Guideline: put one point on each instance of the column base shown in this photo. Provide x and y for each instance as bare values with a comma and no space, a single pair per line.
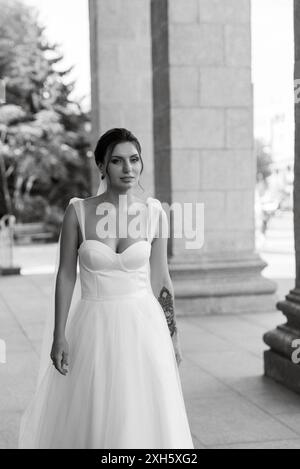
282,370
222,286
284,341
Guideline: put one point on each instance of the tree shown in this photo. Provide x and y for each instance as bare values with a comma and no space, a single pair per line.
44,135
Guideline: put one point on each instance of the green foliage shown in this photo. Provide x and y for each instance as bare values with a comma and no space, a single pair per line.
44,135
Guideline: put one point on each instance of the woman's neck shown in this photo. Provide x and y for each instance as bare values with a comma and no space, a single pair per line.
114,197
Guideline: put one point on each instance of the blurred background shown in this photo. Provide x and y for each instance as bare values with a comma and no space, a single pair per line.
45,120
273,107
47,80
45,123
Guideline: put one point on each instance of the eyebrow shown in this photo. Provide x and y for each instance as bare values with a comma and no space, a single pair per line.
118,156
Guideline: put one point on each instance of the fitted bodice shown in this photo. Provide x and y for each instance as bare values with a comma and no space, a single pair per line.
105,273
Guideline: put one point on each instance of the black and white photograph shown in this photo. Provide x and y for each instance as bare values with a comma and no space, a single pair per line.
149,226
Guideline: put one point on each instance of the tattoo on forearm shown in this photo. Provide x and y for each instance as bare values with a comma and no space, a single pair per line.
166,301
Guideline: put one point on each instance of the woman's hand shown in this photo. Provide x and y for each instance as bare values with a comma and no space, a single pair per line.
59,354
177,348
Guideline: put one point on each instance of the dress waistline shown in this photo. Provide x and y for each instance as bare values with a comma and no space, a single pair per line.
135,295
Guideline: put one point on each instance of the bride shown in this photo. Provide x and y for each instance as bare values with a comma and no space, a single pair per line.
112,381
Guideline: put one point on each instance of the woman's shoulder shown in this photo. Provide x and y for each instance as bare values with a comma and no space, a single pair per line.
85,200
147,201
74,199
154,201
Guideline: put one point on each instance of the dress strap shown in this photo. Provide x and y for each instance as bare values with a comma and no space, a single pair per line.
79,209
82,218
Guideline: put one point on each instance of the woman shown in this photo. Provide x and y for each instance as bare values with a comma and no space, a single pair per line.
114,382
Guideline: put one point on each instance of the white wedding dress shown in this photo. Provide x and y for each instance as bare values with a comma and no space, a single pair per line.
123,387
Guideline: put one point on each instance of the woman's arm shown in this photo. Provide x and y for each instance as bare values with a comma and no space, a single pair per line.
65,282
161,281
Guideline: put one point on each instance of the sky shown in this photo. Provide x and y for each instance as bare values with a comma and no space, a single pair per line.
67,22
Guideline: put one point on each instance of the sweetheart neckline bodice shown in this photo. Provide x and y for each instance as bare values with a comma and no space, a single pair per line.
107,273
109,248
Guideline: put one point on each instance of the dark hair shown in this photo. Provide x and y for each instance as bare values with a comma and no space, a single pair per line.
110,139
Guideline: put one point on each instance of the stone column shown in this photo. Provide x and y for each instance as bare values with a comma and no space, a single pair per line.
121,75
279,364
203,141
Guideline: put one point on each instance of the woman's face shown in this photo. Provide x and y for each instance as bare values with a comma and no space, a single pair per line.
124,167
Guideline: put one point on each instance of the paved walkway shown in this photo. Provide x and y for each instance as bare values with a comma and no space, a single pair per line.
230,403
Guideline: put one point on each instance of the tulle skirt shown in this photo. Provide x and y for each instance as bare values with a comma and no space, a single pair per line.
123,387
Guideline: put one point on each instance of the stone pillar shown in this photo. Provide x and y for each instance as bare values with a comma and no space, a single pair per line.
121,75
203,141
279,364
